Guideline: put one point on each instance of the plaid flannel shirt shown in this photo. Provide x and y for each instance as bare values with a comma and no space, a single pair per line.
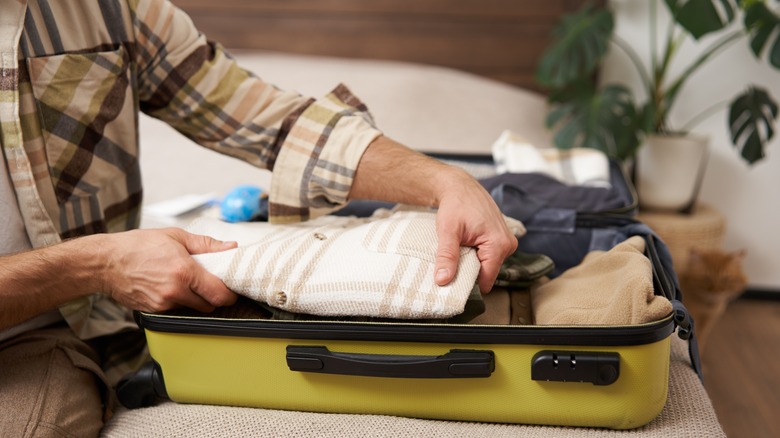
70,93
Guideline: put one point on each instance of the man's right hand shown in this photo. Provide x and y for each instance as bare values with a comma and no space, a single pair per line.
152,271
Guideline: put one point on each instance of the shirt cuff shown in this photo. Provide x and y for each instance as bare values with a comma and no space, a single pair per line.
316,164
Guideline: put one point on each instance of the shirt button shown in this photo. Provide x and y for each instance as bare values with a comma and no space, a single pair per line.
320,236
281,297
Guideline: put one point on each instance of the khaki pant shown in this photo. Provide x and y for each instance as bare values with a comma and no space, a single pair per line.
51,385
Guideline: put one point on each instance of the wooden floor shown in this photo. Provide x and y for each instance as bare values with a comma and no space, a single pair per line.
742,368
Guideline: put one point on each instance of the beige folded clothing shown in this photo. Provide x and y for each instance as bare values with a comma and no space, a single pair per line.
608,288
381,266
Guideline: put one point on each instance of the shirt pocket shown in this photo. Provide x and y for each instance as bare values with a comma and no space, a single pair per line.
411,234
87,108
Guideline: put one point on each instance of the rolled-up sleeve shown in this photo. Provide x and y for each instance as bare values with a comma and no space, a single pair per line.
317,161
313,147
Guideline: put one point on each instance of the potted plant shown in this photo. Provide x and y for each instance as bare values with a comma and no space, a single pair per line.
610,118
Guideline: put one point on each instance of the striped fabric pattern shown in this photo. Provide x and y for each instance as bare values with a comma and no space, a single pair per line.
70,93
381,266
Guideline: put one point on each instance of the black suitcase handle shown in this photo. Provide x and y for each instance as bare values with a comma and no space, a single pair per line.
455,364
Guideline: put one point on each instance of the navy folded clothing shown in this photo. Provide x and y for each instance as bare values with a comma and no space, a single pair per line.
522,195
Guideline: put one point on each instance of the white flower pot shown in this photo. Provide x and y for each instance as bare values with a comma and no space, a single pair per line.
669,171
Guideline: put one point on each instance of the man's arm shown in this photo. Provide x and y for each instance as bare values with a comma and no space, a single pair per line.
467,214
148,270
312,146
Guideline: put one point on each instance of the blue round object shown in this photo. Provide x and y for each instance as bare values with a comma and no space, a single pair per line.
241,204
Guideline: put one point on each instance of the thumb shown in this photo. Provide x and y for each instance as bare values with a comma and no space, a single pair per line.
447,255
200,244
212,289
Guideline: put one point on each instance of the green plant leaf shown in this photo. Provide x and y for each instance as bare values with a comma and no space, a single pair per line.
700,17
581,88
752,117
580,42
607,120
762,24
646,117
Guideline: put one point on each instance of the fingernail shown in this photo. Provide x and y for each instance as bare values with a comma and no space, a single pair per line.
442,275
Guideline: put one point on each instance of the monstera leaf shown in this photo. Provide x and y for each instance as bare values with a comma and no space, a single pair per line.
748,113
581,41
762,24
700,17
606,120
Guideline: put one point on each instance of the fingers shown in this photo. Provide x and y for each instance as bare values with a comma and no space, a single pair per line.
447,255
491,257
492,240
211,289
199,244
153,270
206,285
488,272
203,290
194,287
194,301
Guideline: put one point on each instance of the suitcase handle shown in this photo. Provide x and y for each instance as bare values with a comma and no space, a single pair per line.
455,364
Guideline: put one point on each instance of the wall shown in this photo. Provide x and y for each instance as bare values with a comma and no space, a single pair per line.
747,196
500,39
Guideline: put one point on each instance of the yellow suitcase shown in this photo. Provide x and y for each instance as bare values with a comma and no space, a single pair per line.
600,376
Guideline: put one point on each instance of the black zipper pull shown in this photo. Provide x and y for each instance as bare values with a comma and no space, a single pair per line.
685,325
683,320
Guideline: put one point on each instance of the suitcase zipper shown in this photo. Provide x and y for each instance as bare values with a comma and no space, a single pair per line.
410,332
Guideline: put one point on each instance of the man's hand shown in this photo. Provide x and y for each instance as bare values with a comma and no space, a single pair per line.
467,214
148,270
151,270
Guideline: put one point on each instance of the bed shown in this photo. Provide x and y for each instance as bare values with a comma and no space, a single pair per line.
424,95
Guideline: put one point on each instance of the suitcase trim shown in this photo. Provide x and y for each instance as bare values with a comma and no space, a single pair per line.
413,332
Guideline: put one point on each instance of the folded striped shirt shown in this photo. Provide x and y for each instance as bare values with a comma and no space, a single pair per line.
381,266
